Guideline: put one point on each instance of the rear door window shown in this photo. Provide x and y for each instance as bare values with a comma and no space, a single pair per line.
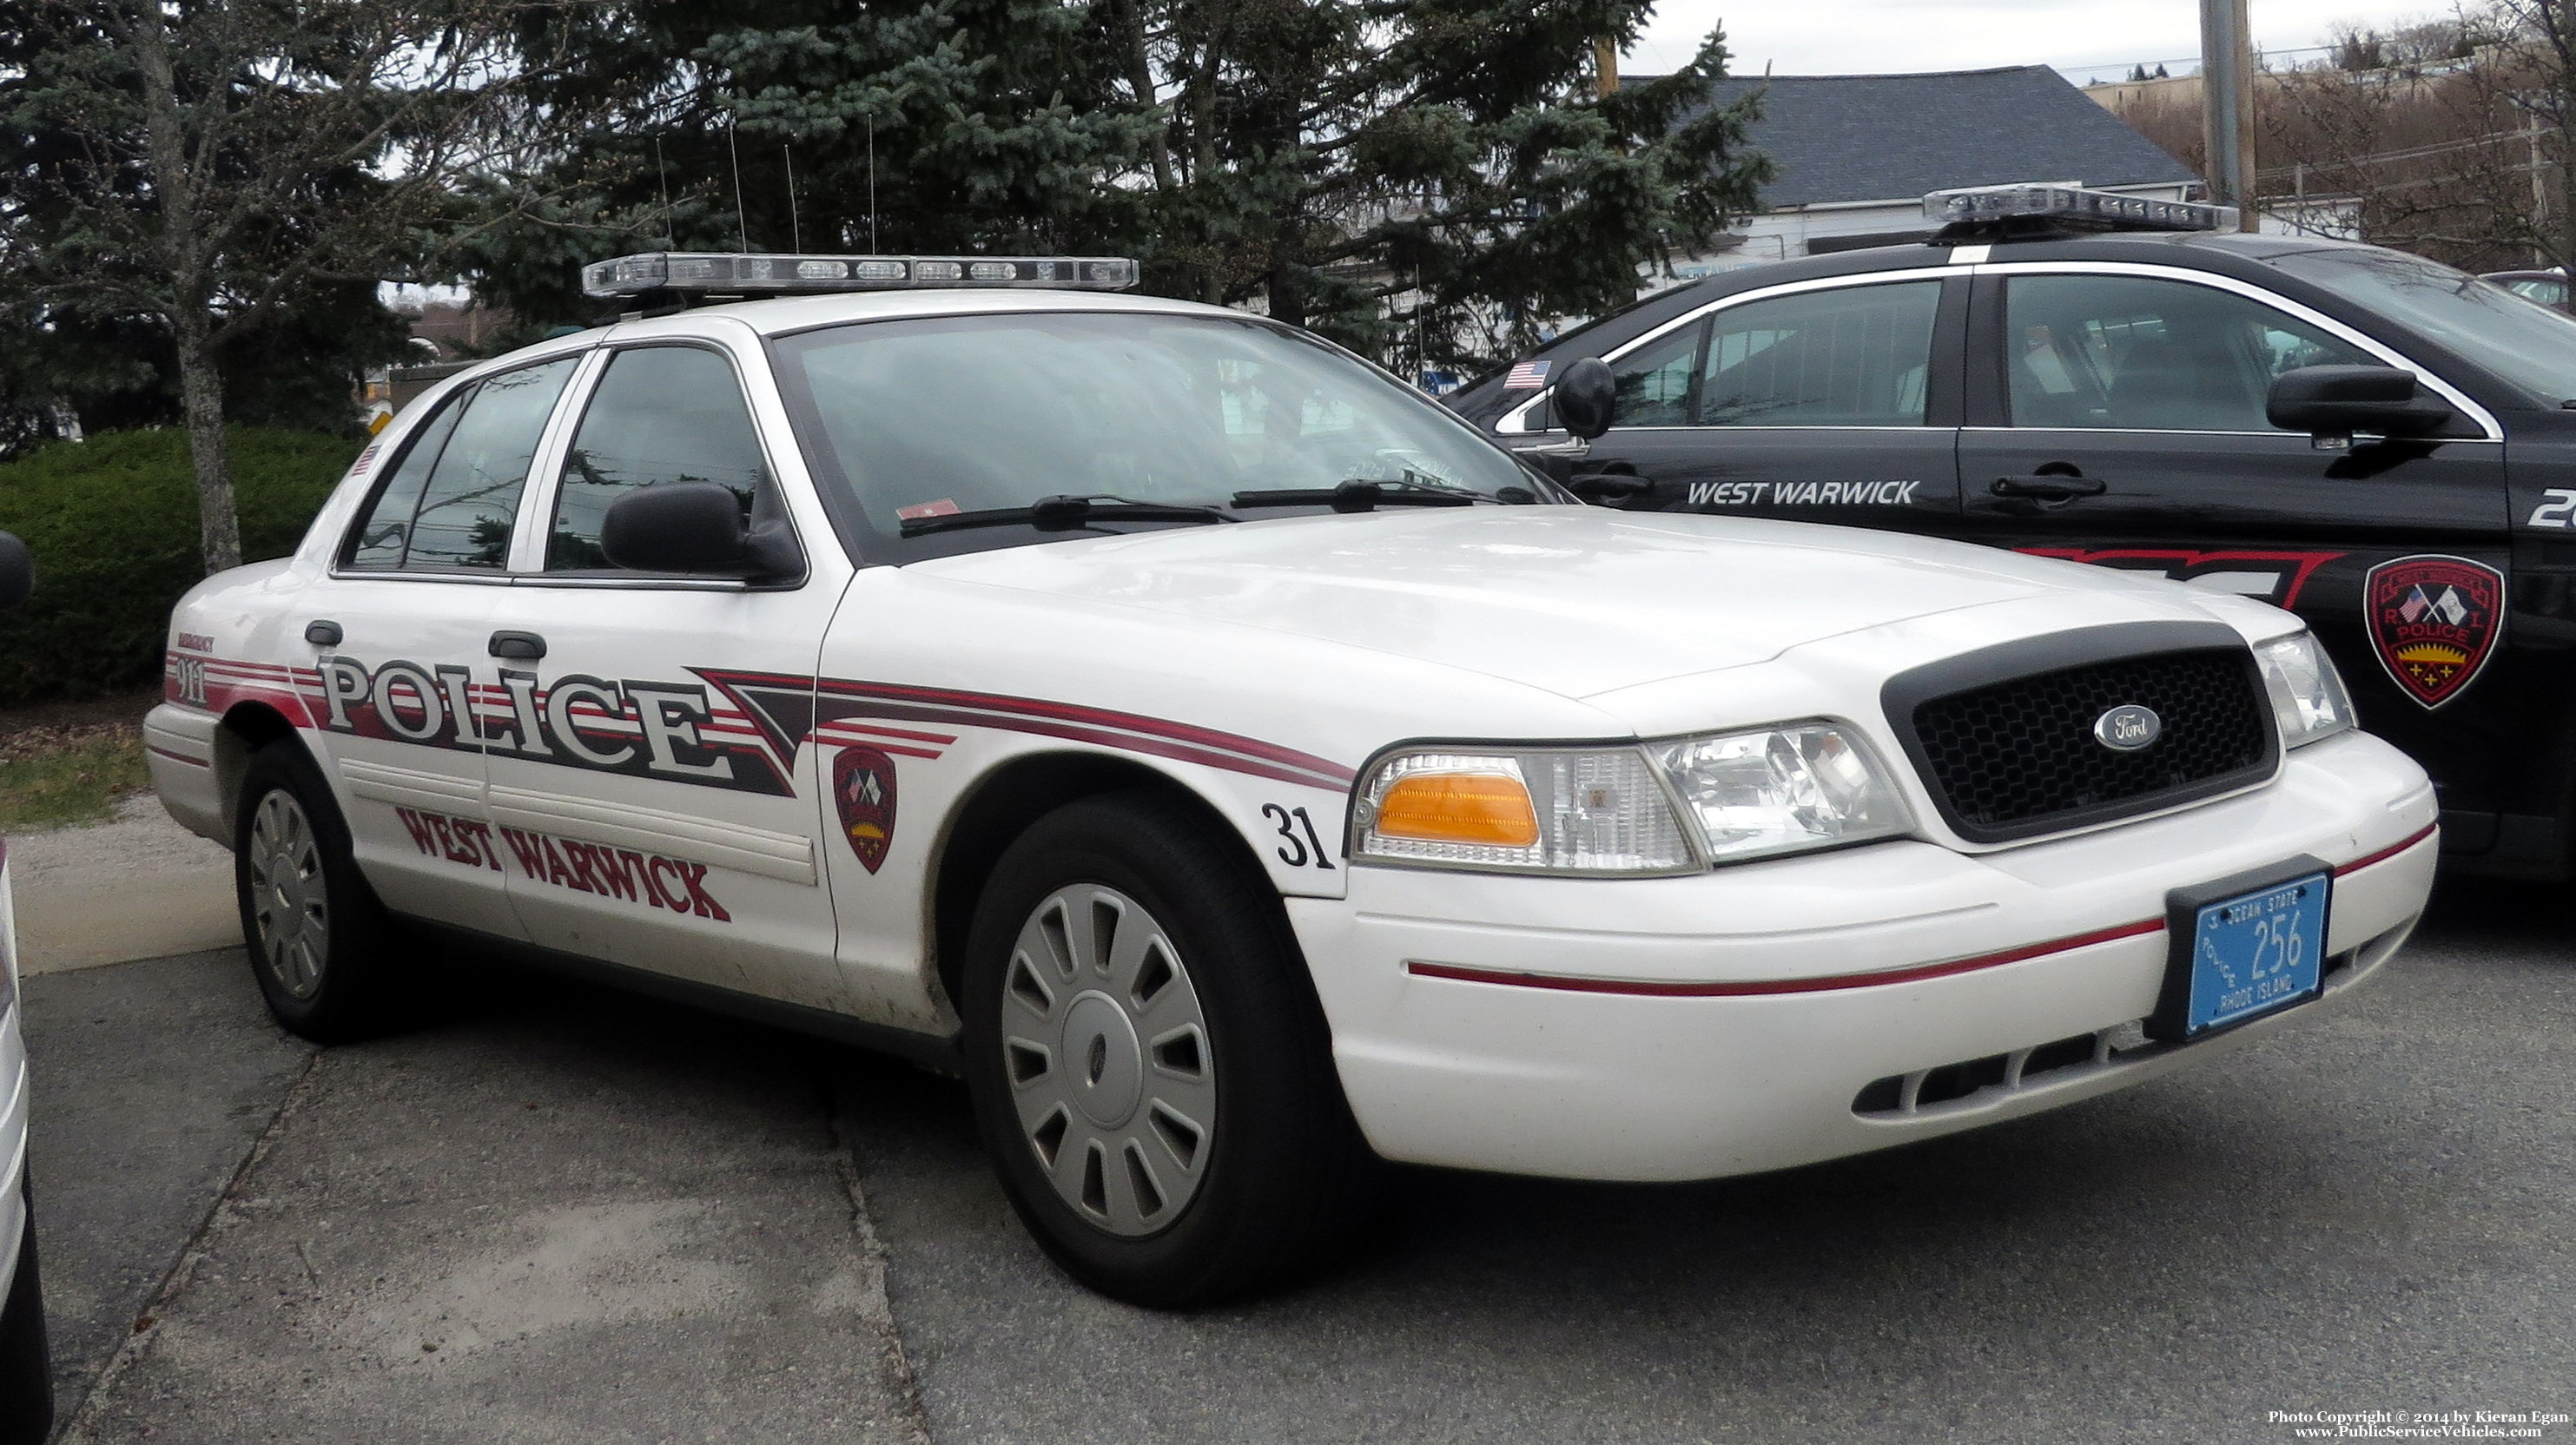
1853,356
453,501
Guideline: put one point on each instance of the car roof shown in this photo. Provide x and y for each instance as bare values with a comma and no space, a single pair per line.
2231,252
785,315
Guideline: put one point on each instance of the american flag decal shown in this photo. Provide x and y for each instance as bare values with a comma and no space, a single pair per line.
1528,376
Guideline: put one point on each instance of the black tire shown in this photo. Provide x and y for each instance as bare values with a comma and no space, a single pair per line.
342,985
1286,1174
26,1366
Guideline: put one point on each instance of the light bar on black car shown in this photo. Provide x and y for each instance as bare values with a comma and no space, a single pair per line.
773,275
2073,207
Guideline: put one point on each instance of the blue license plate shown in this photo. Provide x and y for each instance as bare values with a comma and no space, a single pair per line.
2256,952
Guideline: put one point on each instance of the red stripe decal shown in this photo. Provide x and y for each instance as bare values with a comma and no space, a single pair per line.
176,757
2384,854
1184,733
1658,989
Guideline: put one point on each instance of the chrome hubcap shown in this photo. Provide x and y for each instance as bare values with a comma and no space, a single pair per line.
1110,1071
290,909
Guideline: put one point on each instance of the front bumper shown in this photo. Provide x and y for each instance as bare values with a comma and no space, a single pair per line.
1727,1023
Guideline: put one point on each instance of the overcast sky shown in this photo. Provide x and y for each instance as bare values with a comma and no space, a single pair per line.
2084,38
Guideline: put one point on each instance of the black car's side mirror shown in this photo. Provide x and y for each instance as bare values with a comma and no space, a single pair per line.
17,571
694,528
1586,396
2338,401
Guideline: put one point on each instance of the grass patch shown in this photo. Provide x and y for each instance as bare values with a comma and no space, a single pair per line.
68,773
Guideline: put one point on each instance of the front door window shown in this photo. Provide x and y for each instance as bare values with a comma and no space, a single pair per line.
2133,353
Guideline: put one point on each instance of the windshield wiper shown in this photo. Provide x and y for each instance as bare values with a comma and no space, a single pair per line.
1067,514
1357,495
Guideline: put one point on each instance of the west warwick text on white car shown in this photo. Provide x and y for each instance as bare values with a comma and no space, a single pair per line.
1243,772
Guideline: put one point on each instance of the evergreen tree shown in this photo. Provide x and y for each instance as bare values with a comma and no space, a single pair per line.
1446,167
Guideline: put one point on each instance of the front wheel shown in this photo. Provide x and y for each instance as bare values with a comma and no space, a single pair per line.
320,944
1151,1072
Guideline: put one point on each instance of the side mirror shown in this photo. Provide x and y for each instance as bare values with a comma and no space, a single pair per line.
1586,396
17,571
696,528
2337,401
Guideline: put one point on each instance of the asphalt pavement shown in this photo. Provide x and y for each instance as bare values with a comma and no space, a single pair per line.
560,1213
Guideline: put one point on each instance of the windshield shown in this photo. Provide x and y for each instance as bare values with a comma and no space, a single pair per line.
966,414
2526,343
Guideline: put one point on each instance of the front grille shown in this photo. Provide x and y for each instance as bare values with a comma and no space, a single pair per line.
2018,757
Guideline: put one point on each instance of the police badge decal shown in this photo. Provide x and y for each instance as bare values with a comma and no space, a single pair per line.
2434,622
863,789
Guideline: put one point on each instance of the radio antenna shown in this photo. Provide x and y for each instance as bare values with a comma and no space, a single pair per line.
872,183
795,226
741,227
662,171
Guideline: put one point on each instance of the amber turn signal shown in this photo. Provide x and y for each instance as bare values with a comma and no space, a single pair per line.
1490,808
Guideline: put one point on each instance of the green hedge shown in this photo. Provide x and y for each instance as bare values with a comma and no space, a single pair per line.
112,522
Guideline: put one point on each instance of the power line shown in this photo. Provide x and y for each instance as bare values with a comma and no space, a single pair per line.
2191,59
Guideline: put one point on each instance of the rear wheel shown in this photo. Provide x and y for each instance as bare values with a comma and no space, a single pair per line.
1151,1072
320,945
26,1367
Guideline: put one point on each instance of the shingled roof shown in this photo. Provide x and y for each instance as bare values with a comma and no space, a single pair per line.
1894,137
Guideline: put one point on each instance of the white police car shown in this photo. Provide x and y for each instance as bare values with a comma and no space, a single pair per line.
1241,770
26,1368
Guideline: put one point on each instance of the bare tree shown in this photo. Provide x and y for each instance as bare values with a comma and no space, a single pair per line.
214,159
2448,137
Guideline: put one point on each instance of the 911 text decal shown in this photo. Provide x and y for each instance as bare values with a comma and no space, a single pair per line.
620,873
664,730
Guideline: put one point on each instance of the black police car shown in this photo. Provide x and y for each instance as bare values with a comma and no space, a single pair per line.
2379,443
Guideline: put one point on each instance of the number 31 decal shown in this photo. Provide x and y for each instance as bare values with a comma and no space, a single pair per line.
2558,511
1297,852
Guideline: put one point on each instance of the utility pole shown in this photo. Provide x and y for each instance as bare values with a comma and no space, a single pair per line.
1605,66
2227,104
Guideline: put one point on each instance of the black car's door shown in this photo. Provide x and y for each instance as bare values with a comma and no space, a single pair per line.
1822,401
2116,416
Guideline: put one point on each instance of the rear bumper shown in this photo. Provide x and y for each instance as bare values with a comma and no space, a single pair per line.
13,1078
1729,1023
179,749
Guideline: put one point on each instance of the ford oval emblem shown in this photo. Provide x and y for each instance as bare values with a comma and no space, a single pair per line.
2127,728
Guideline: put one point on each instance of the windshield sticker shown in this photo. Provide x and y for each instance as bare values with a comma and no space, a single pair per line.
1526,376
1803,494
863,791
2274,577
620,873
2434,621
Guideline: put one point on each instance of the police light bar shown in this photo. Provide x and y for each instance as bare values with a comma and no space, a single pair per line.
2072,208
772,275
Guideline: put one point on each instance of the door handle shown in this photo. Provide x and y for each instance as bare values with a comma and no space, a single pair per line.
2048,489
518,646
1609,486
322,632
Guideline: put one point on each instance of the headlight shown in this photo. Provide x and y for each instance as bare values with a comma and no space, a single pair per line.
2307,693
1782,790
1586,810
1656,808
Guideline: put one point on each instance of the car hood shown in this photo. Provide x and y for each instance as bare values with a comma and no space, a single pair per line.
1575,600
